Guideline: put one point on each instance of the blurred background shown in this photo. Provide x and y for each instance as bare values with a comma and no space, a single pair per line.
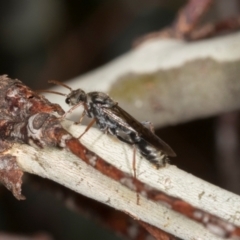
59,39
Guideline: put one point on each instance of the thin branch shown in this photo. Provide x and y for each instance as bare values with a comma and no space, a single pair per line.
170,179
76,175
63,167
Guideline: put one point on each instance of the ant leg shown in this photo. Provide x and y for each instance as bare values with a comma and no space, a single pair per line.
134,172
70,111
88,127
81,118
105,131
134,162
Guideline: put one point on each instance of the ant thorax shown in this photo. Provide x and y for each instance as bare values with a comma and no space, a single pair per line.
100,99
95,103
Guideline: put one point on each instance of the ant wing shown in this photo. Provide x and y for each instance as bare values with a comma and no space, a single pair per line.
126,120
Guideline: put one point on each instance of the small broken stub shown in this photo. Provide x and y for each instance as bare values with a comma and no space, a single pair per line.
11,175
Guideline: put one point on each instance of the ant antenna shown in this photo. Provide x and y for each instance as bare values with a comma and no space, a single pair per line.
50,91
60,84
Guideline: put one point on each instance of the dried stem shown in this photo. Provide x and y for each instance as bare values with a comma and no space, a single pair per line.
66,169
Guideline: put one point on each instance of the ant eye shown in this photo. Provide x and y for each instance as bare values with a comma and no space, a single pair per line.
67,101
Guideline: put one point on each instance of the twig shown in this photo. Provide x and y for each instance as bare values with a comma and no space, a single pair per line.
66,169
76,175
170,179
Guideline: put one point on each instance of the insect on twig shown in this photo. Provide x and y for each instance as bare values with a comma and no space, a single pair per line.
112,119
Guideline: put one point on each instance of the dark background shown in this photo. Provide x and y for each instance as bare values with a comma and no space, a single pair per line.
57,39
61,39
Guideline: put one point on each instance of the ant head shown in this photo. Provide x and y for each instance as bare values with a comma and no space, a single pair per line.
76,97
